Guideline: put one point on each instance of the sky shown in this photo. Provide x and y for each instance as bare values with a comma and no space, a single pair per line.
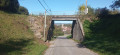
62,7
63,22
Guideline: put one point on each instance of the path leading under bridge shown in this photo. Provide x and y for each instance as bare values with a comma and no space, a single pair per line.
64,46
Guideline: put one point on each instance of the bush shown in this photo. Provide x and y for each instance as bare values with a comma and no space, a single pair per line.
23,10
9,5
69,37
103,35
58,31
12,6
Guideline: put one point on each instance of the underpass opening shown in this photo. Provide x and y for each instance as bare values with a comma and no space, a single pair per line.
76,30
62,27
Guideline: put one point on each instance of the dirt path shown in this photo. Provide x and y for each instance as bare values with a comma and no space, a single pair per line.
64,46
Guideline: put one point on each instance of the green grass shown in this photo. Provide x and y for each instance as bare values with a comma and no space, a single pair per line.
78,41
22,47
53,38
69,36
36,49
16,38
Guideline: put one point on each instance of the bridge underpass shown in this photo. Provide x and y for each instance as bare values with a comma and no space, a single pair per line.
77,31
63,46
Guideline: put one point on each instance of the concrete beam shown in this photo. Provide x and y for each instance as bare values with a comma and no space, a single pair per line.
57,16
64,19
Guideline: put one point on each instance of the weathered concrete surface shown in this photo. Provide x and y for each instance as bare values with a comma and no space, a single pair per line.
77,29
64,46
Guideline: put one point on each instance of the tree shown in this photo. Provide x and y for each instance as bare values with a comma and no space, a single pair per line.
90,10
23,10
116,11
116,4
9,5
104,11
97,11
82,9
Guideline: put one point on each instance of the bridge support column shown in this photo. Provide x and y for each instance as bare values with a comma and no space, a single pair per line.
76,31
50,31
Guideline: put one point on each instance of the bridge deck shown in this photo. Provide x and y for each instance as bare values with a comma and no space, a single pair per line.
65,17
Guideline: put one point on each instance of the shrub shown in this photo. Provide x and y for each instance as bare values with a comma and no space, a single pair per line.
9,5
58,31
23,10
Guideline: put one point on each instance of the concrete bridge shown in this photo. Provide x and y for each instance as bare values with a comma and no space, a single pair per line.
77,29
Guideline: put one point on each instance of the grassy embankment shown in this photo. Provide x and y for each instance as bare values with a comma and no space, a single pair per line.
16,38
103,36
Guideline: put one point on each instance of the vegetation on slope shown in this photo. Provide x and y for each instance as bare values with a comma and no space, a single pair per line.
103,35
102,30
16,38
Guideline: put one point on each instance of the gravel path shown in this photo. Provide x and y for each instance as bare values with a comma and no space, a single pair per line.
64,46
